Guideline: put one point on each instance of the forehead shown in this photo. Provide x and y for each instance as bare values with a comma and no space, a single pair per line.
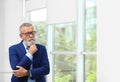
27,29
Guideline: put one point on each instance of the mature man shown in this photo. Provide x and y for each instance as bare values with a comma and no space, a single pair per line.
28,60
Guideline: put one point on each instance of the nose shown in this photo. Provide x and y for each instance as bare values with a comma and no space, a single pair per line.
31,35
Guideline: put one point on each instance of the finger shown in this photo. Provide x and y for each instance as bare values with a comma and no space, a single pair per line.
14,71
18,67
16,75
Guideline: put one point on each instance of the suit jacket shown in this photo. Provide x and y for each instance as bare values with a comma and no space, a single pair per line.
40,62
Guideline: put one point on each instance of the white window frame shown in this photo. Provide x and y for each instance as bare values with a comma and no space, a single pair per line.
80,53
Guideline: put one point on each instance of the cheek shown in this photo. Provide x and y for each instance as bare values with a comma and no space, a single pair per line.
26,38
23,37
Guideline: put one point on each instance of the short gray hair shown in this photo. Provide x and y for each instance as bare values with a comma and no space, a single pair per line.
25,24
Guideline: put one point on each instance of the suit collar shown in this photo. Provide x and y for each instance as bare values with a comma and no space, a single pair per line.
22,46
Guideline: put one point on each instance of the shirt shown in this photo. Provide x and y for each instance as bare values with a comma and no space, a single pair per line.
30,56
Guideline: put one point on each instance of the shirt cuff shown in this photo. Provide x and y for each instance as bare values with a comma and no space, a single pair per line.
30,56
30,74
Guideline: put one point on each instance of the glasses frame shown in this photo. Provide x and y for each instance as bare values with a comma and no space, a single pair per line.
29,33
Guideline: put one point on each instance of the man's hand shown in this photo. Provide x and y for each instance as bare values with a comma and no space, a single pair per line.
32,49
21,72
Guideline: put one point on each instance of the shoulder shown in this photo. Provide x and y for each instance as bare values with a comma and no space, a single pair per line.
41,47
15,45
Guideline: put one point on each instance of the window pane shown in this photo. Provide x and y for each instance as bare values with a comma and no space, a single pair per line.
90,65
41,32
65,37
64,64
90,41
90,25
64,68
38,19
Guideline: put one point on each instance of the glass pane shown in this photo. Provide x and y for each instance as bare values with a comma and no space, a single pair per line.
90,25
41,32
64,68
65,37
90,65
38,19
90,41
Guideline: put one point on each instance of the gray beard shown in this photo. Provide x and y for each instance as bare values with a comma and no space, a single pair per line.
30,42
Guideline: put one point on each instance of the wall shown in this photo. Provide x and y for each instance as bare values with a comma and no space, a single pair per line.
108,41
10,19
1,35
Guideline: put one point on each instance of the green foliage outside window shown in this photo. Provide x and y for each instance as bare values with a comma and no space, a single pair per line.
41,32
65,64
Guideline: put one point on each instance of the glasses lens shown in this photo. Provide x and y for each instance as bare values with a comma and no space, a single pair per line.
28,33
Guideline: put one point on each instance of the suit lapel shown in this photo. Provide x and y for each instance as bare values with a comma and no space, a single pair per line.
21,50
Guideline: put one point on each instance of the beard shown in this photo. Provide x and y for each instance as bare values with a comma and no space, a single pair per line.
30,42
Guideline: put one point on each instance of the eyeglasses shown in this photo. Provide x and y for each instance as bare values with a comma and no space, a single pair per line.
29,33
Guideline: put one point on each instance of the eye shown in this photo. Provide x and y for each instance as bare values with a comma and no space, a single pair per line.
28,33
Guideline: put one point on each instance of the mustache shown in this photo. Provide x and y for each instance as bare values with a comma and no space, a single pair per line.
30,42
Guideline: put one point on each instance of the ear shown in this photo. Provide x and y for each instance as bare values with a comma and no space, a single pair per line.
20,35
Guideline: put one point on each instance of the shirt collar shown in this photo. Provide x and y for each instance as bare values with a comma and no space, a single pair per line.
24,45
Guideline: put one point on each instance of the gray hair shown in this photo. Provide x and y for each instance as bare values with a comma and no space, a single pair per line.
24,24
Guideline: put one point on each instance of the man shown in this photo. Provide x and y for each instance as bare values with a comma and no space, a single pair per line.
29,61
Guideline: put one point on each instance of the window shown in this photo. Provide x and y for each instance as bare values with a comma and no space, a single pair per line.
64,56
38,19
90,41
65,37
67,42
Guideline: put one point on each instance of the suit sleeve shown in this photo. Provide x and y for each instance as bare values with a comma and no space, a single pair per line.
16,61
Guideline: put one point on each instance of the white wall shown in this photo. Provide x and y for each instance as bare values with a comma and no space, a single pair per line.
1,35
10,19
108,40
61,11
